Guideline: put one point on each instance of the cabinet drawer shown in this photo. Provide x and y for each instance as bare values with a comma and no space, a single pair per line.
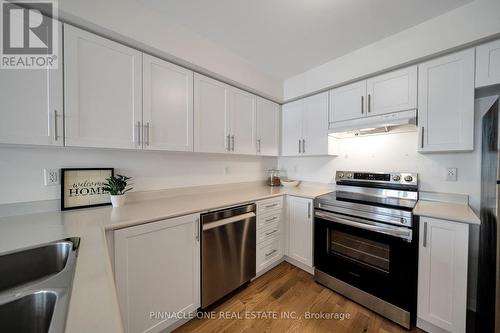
271,231
264,221
269,205
268,253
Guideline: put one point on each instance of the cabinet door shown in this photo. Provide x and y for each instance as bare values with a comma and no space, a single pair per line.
157,268
211,115
446,103
300,229
348,102
243,116
267,127
103,91
315,125
168,105
392,92
442,273
488,64
292,128
32,104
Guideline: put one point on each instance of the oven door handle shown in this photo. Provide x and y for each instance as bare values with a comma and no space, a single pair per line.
392,231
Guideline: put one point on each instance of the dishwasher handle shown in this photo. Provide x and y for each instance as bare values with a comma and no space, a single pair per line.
229,220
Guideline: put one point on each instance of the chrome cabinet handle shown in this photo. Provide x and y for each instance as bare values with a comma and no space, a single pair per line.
228,142
425,235
272,205
232,142
147,134
300,147
422,139
362,104
271,253
55,125
138,133
308,210
369,103
271,219
258,145
303,146
272,232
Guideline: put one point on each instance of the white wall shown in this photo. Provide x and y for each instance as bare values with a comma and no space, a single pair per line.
472,22
131,22
22,169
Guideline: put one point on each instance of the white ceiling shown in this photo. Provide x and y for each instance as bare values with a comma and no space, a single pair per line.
288,37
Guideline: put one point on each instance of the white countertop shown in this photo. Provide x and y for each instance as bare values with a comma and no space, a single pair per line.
94,305
458,212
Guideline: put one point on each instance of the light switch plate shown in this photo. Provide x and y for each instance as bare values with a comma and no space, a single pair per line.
51,177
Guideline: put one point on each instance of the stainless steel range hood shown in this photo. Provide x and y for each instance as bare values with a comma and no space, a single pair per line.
404,121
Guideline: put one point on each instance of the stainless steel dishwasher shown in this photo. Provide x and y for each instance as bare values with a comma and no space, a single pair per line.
227,251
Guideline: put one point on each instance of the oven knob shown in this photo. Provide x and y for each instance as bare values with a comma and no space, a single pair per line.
396,178
408,179
340,175
403,220
349,175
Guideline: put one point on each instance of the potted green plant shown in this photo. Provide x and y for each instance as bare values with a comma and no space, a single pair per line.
117,187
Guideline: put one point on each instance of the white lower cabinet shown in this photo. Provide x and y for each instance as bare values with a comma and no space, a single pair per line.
270,240
300,230
442,275
157,269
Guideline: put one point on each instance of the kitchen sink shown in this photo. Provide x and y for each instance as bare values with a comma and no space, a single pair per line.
35,287
33,264
30,313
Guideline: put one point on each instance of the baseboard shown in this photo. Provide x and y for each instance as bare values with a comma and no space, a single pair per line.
268,268
300,265
428,327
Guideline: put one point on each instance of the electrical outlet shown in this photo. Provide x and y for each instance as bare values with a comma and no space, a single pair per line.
51,177
451,174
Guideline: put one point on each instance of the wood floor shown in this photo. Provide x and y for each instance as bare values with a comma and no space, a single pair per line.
287,290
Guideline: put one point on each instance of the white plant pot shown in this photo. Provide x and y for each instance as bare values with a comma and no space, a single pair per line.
118,200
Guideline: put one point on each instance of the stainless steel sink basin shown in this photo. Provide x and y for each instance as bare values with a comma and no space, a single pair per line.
31,313
32,264
35,287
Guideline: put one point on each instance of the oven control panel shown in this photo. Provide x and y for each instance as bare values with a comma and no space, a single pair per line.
400,178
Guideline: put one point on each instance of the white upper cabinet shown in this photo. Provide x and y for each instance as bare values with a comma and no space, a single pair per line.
442,275
211,115
103,91
446,103
32,104
315,125
392,92
387,93
157,268
243,117
167,106
488,64
268,119
348,102
305,127
225,118
300,229
292,128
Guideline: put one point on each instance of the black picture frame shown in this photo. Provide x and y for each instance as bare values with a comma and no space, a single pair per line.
63,194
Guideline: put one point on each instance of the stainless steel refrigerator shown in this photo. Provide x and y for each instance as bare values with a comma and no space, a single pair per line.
488,289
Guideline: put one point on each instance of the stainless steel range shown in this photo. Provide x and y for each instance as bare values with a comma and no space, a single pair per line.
366,242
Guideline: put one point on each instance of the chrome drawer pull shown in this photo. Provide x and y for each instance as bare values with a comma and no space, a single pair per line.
272,219
272,232
271,206
271,253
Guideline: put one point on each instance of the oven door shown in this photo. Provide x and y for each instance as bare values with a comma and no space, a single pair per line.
377,258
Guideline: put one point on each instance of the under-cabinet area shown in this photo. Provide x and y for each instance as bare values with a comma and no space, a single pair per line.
250,166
